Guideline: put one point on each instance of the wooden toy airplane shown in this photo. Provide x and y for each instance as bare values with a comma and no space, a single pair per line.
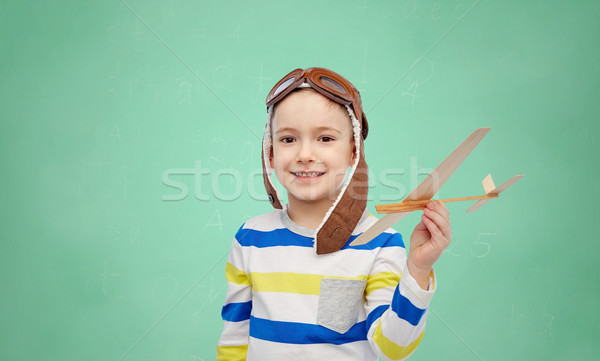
423,193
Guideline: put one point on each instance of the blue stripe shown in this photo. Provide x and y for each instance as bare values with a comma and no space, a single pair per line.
303,333
277,237
383,240
284,237
235,312
405,309
375,314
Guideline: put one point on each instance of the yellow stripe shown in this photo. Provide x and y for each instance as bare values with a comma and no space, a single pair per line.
289,282
381,280
232,353
235,275
392,350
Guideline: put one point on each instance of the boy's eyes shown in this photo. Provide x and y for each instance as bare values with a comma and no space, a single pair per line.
324,138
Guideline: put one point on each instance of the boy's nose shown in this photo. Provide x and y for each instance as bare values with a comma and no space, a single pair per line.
306,153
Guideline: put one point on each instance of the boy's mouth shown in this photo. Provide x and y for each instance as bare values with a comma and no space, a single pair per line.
307,174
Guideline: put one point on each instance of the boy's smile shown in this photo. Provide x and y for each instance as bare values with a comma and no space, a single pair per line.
313,146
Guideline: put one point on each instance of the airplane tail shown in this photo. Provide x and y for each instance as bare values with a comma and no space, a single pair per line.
491,189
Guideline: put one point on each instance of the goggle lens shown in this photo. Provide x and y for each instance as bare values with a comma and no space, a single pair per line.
283,86
332,84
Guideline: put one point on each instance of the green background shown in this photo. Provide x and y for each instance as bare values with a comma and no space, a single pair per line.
104,105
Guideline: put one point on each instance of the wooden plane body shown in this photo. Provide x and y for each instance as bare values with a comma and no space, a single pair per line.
424,192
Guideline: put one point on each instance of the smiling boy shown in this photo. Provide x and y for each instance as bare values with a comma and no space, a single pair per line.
312,150
297,290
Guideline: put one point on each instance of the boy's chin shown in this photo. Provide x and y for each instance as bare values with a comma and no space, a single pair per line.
312,198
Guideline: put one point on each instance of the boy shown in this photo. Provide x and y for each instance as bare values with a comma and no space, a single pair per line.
297,290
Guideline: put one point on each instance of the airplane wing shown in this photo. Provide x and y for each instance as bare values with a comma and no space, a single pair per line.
428,187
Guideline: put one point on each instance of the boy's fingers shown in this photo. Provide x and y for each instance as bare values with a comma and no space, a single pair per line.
432,227
442,223
439,207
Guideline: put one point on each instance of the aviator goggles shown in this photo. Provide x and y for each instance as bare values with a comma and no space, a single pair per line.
328,83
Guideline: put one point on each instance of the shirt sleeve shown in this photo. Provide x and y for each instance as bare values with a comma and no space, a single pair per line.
233,343
396,306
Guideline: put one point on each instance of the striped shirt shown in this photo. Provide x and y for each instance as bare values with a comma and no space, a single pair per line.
285,302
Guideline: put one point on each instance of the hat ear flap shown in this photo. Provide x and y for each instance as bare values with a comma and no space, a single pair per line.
266,156
342,218
271,191
365,126
346,214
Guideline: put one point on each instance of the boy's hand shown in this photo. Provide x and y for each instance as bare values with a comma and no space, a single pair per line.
427,242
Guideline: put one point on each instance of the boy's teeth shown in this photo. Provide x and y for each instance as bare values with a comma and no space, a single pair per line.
311,174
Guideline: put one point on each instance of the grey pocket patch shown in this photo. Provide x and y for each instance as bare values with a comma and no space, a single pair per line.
339,302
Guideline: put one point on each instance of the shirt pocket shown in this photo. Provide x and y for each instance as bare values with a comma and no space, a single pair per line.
339,303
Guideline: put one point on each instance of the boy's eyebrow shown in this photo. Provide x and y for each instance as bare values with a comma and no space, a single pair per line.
319,129
329,129
285,129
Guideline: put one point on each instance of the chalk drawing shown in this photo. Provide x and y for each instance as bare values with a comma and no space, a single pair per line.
113,32
363,7
104,278
214,221
514,319
137,133
134,233
426,66
200,83
434,11
410,10
156,90
549,320
211,294
113,234
137,32
199,33
260,80
115,134
455,240
114,79
364,79
132,85
483,248
235,34
456,10
414,85
184,91
247,152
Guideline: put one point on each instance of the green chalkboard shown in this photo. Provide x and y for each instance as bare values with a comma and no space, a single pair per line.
130,155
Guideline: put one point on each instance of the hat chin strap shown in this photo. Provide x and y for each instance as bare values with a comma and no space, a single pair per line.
347,209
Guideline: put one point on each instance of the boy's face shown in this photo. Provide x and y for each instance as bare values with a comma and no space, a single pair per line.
313,146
